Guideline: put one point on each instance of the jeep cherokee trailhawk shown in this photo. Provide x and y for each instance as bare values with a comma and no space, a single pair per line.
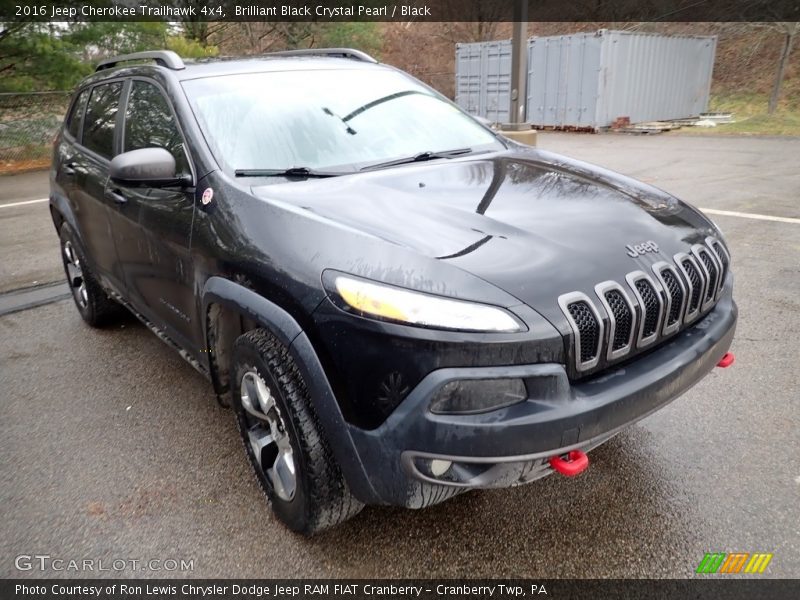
398,303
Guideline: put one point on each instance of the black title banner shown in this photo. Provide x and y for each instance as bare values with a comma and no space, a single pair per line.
402,10
423,589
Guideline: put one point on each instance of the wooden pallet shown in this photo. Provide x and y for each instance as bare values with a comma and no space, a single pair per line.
649,128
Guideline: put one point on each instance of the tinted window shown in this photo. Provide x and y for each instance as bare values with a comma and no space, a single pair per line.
75,115
98,124
149,123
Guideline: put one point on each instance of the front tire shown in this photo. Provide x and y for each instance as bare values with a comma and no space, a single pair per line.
283,439
94,305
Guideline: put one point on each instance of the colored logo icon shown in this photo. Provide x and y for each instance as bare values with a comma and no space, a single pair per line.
734,562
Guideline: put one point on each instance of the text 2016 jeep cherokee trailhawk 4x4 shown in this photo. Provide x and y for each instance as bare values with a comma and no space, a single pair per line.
398,303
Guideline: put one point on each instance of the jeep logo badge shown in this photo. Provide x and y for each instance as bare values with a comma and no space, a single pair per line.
639,249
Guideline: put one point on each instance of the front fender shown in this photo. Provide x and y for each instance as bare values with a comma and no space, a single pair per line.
251,305
61,210
283,326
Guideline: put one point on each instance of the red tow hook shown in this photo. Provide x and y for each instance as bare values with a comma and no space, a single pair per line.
726,361
575,463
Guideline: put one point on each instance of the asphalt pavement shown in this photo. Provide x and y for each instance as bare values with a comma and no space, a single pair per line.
112,447
27,242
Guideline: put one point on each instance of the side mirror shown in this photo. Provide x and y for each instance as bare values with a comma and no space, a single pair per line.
153,167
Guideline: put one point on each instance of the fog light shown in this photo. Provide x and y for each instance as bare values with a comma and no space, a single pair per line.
440,467
473,396
445,471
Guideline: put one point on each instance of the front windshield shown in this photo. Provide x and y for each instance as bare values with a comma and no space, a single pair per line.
335,120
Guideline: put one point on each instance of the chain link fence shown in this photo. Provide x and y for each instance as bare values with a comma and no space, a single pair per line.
28,124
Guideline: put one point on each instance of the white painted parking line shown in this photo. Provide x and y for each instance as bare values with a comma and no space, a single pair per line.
23,203
710,211
733,213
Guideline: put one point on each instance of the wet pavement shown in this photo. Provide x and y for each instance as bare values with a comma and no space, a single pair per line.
112,447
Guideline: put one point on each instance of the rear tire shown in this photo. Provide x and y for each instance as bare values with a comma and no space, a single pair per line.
283,438
94,305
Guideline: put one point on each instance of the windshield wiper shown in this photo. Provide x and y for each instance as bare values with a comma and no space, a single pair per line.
421,157
293,172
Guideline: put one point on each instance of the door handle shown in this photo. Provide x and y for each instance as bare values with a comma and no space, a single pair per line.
68,169
116,196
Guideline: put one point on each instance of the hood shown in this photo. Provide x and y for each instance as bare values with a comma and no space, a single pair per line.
533,223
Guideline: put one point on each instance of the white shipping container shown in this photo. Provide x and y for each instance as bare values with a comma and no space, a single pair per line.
483,79
588,80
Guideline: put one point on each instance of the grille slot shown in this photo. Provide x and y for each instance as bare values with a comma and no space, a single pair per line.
721,254
675,293
588,329
711,269
693,275
650,307
723,260
623,320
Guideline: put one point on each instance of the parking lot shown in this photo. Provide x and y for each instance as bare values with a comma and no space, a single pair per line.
112,447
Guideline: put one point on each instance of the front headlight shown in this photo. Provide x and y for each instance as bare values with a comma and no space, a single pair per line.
416,308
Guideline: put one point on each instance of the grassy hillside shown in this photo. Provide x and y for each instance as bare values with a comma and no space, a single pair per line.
750,112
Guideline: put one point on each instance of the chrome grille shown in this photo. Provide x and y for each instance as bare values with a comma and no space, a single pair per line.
624,318
723,260
644,309
651,307
675,295
692,274
711,272
717,248
621,318
587,328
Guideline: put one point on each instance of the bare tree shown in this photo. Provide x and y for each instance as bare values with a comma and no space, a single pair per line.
756,35
480,20
789,31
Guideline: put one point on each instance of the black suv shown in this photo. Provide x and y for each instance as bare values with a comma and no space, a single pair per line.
398,303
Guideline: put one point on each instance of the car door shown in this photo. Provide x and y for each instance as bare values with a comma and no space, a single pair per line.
68,146
153,225
82,171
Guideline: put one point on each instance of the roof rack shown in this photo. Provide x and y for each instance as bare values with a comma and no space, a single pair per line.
165,58
332,52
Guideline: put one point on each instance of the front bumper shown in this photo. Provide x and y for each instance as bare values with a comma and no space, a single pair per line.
511,445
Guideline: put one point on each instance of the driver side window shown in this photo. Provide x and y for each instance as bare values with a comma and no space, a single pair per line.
149,123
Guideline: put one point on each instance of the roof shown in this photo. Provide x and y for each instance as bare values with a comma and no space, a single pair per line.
168,61
259,64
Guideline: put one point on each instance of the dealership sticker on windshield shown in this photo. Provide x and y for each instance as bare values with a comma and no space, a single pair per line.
207,196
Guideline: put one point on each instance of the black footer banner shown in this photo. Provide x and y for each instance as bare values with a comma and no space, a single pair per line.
711,588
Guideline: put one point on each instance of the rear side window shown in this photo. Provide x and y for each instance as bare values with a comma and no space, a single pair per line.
149,123
101,114
76,114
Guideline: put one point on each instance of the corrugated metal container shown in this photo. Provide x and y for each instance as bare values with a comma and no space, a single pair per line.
563,80
469,78
588,80
669,77
483,79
